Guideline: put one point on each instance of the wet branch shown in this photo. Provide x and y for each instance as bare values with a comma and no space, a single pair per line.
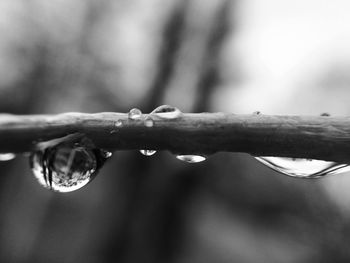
325,138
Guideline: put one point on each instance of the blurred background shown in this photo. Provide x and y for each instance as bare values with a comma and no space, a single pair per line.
277,57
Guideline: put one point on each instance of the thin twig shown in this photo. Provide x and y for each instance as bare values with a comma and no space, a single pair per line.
325,138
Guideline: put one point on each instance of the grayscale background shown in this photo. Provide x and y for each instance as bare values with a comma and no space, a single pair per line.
277,57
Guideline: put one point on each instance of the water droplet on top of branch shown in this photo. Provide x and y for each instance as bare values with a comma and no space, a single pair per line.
166,112
135,114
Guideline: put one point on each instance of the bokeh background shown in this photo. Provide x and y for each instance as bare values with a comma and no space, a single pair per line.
277,57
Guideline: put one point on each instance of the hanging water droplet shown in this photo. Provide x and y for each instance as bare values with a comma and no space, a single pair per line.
7,156
166,112
148,121
106,154
189,158
67,166
303,168
134,114
119,123
148,152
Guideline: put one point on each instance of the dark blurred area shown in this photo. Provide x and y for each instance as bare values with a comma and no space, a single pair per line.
278,57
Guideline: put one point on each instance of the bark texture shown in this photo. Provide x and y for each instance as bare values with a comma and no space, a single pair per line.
324,137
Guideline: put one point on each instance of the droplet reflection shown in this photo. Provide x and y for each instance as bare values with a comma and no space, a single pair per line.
67,166
166,112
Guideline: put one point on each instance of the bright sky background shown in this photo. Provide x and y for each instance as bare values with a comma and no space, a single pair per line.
294,57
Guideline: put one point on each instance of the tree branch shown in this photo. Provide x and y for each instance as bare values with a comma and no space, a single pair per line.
325,138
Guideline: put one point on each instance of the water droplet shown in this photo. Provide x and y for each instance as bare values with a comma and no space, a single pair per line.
106,154
303,168
134,114
191,158
148,152
7,156
166,112
256,113
148,121
67,166
119,123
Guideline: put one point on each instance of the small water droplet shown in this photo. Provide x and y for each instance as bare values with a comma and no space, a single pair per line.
189,158
106,154
256,113
67,166
166,112
148,121
134,114
303,168
148,152
119,123
7,156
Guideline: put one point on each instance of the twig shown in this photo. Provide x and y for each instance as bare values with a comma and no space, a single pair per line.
325,138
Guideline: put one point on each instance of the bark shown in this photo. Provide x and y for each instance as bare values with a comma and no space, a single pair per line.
324,138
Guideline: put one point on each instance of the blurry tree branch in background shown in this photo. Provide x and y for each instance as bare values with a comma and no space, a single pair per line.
210,72
172,40
324,138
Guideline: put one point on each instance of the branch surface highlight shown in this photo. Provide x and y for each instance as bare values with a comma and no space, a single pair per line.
312,137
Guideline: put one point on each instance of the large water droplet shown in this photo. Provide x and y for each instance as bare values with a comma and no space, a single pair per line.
134,114
166,112
303,168
148,122
189,158
148,152
7,156
67,166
